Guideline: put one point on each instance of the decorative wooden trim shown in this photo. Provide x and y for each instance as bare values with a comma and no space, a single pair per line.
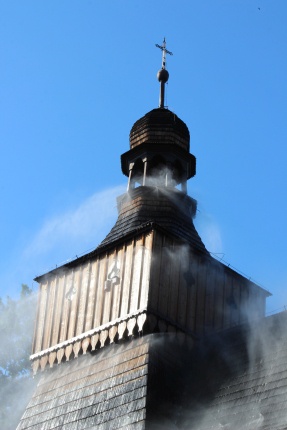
87,334
120,328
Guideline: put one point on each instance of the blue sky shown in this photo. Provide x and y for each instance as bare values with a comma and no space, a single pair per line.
76,75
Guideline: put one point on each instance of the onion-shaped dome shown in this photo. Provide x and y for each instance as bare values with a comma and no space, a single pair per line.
160,126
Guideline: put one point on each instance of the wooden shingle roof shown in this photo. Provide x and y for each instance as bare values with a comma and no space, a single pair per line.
168,209
236,380
240,379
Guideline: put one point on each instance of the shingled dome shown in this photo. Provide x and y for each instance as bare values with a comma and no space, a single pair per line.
160,126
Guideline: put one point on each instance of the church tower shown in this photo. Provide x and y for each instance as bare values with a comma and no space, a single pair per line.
113,326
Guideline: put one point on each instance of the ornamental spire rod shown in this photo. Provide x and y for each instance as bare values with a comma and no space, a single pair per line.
163,74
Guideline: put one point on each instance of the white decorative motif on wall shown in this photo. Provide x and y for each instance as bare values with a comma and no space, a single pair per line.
113,277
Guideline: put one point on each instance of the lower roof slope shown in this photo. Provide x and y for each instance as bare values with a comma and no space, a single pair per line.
240,379
97,391
235,380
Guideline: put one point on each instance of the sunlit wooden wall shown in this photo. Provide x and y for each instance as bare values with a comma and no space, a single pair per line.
73,301
157,273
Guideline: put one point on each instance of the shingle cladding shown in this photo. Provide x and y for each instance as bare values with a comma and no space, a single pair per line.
131,385
239,379
97,391
169,209
235,380
160,126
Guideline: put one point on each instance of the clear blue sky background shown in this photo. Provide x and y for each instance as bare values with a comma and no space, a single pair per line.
76,75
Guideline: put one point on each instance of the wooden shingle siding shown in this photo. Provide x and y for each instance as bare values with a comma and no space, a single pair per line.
106,390
145,205
247,377
237,377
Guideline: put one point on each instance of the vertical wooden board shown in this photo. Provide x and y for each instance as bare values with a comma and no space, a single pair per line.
117,289
91,298
227,299
136,276
261,304
108,294
127,278
75,298
146,268
50,312
209,295
236,304
164,282
244,298
84,281
219,297
182,292
42,313
255,303
200,302
155,271
36,324
192,291
230,302
174,282
66,305
100,291
60,288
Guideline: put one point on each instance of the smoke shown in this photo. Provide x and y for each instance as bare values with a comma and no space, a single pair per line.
67,235
210,232
16,331
235,378
208,228
79,228
75,230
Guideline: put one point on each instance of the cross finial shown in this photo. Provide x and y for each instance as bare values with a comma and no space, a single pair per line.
164,52
163,75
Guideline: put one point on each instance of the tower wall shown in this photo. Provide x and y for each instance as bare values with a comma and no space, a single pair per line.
94,293
154,278
197,292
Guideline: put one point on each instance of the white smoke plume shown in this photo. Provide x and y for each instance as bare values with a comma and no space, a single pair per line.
60,238
208,228
16,384
75,231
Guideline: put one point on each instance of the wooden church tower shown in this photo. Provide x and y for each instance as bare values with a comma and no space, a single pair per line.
114,327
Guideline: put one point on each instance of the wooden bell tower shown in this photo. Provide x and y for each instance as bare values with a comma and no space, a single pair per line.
114,325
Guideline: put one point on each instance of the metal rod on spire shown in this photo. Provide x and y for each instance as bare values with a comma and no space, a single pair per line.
163,74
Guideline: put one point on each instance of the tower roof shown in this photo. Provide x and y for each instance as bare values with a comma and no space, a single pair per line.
160,126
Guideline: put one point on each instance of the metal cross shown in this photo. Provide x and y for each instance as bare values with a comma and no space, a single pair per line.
164,52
